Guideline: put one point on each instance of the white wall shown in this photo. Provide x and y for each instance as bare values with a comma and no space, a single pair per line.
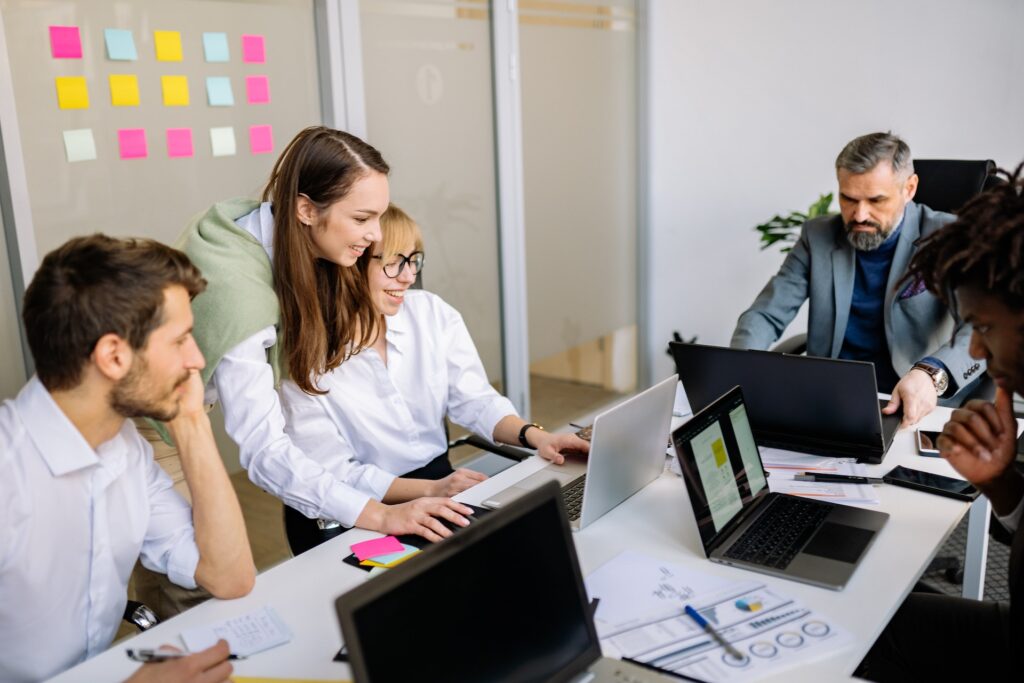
750,102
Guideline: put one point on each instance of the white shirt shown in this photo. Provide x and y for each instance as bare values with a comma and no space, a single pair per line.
377,422
244,384
73,521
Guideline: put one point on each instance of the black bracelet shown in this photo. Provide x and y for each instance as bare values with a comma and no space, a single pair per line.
522,434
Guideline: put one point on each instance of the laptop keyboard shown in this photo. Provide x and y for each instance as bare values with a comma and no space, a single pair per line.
780,532
572,493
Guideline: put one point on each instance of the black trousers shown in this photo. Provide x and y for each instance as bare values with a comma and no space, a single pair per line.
942,638
303,533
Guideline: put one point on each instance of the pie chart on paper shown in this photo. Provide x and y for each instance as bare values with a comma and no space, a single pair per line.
749,605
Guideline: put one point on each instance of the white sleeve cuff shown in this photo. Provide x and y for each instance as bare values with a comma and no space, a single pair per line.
344,504
182,563
375,480
489,417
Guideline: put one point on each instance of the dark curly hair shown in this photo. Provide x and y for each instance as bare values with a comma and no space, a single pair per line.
983,247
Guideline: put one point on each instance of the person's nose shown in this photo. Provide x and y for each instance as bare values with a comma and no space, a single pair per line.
861,214
195,360
977,347
407,276
375,234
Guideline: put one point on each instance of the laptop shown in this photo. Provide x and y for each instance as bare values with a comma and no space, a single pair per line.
742,524
825,406
627,452
503,600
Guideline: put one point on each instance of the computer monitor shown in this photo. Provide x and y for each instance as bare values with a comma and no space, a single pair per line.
502,600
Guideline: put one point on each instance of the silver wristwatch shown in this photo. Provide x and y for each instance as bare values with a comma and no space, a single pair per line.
940,379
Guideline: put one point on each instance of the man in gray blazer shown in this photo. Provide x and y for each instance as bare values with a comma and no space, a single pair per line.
851,267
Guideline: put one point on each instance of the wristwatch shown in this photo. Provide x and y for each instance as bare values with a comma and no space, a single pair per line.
522,434
939,377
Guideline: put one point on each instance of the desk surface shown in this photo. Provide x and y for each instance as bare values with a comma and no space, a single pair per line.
657,521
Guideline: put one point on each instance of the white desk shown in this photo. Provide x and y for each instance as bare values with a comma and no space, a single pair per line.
657,521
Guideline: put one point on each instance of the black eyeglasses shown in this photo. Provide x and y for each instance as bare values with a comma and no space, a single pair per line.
394,269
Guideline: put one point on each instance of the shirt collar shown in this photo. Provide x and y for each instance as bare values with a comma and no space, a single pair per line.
61,445
260,224
398,326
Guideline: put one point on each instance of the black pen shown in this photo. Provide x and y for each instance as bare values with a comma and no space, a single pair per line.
155,656
645,665
836,478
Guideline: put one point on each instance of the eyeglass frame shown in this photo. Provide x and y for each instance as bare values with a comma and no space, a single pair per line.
403,260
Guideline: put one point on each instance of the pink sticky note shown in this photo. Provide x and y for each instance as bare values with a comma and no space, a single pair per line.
253,50
257,88
377,546
132,142
179,142
261,139
65,42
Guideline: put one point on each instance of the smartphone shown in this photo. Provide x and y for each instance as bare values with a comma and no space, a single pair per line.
928,442
931,483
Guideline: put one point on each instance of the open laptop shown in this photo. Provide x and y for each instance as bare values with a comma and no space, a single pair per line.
824,406
627,452
741,523
503,600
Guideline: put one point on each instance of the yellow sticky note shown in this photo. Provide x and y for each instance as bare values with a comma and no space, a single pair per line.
168,46
175,90
124,90
718,450
72,92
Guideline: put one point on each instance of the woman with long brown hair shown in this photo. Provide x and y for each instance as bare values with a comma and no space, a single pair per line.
283,300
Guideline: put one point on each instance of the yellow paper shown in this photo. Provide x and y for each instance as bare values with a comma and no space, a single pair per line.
371,563
253,679
168,46
124,90
175,90
72,92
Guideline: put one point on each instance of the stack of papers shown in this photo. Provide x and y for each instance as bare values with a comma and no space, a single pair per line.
246,635
640,615
784,465
383,553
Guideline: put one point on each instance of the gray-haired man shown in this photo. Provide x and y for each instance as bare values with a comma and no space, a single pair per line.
851,266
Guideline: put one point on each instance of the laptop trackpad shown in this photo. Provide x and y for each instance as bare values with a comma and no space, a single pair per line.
839,542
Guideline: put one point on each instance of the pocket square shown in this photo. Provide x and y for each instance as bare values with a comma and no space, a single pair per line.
913,289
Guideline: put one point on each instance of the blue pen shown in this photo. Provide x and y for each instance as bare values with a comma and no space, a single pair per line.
703,623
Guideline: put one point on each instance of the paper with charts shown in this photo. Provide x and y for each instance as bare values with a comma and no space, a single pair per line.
640,615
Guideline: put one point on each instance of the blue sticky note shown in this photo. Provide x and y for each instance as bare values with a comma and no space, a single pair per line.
215,47
120,45
218,91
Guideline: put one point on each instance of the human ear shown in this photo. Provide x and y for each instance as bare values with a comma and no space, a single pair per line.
112,356
305,210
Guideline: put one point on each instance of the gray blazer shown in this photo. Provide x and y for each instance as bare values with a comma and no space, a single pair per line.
821,267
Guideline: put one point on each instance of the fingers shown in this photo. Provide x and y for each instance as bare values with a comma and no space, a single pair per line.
894,404
205,659
1004,410
471,475
957,440
449,513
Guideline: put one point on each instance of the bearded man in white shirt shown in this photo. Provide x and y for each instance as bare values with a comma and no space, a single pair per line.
108,322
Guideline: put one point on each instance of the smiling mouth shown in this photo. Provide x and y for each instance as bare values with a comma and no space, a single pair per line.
397,293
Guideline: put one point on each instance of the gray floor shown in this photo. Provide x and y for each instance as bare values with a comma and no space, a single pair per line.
996,585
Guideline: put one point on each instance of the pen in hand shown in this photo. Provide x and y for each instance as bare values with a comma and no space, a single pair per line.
703,623
149,656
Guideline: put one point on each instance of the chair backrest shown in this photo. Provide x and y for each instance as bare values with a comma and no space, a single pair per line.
948,184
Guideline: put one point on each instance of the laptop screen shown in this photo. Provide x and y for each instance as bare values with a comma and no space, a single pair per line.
720,463
500,601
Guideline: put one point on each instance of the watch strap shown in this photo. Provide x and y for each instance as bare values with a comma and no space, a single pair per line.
522,433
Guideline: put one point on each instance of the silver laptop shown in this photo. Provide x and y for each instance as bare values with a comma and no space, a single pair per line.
627,452
741,523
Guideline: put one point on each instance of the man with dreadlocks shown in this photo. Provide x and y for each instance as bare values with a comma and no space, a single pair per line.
977,265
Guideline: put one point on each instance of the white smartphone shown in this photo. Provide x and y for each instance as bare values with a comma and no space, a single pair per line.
927,442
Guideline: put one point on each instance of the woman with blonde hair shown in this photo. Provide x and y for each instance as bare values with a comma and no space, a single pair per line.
383,410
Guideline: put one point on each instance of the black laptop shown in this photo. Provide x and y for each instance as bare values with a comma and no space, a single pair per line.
825,406
502,600
741,523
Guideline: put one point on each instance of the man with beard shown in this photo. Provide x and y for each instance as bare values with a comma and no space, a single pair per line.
978,261
849,267
109,323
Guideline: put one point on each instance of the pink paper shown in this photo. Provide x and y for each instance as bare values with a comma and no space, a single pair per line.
377,546
132,142
253,49
179,142
65,42
258,89
261,139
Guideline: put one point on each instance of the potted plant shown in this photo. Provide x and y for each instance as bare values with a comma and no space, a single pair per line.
786,229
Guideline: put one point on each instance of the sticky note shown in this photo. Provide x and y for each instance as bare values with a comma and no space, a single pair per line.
218,91
120,45
168,46
392,559
257,89
377,546
215,47
261,139
179,142
222,141
132,143
253,49
175,90
66,42
72,92
79,145
124,90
